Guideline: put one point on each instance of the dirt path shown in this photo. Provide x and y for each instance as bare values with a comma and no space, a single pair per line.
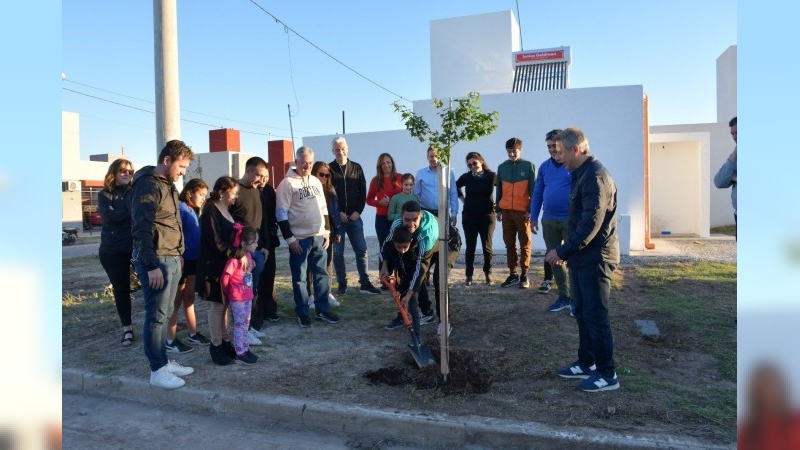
505,350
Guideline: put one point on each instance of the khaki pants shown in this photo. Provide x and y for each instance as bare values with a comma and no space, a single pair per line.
515,226
218,323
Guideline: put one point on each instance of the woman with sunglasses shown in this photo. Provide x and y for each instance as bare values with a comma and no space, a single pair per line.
322,171
477,217
116,241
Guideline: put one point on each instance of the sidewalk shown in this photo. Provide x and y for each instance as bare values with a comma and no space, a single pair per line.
419,428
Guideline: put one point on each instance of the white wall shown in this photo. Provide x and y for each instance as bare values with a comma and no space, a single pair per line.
726,85
473,53
611,117
720,145
679,189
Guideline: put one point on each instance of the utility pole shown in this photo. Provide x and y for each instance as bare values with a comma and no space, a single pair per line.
165,33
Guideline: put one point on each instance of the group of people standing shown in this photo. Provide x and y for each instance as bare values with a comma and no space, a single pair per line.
223,247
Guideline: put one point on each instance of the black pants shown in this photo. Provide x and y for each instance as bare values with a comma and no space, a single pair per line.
482,226
265,306
118,269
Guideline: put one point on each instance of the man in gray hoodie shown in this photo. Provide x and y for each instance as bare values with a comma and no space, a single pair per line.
157,249
302,215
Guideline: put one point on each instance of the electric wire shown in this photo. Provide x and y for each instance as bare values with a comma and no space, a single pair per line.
153,112
227,119
287,27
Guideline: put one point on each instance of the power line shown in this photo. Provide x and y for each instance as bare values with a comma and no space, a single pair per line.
152,112
287,27
182,109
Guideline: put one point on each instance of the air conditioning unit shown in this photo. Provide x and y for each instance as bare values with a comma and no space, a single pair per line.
70,186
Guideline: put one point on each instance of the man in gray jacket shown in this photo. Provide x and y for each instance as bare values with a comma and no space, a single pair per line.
592,249
157,249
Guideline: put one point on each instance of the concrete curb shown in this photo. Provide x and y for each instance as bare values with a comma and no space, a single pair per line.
413,427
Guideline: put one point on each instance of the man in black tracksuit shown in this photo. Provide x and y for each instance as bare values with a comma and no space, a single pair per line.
402,255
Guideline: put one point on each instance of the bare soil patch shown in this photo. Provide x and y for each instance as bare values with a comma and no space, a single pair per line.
505,351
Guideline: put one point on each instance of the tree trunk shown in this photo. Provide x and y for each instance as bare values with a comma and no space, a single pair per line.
443,178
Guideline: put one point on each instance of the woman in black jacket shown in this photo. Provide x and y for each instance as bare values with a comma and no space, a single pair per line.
478,217
216,239
116,243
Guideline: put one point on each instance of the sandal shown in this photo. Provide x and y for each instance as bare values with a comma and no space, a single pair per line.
127,338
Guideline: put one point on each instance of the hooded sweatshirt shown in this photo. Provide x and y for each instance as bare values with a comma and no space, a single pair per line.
156,221
300,207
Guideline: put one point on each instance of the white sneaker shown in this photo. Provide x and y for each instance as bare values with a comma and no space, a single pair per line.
332,300
257,333
252,339
165,379
176,369
439,329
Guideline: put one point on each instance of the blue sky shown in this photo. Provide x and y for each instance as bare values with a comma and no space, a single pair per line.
240,69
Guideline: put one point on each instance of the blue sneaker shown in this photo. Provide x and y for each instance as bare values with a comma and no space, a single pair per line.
576,371
597,383
560,304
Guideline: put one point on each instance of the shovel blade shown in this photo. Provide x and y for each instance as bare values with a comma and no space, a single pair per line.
422,355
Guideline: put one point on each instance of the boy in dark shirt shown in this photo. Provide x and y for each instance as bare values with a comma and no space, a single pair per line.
403,256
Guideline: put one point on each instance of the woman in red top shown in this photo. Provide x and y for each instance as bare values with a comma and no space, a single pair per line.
382,188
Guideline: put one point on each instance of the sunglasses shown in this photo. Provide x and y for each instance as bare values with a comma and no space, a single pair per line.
323,175
473,164
125,172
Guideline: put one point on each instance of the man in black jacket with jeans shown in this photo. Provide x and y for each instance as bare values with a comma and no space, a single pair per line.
592,249
157,248
351,187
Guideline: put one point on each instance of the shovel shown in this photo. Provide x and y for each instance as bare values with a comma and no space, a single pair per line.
422,354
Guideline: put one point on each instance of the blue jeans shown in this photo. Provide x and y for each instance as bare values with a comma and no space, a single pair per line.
158,306
591,288
382,228
314,258
258,258
355,232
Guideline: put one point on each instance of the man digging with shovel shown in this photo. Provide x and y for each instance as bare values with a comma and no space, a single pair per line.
402,254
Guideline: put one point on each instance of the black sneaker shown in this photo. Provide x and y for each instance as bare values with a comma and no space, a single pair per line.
227,346
395,323
218,355
427,318
329,317
342,289
247,358
198,339
488,279
274,319
304,321
510,281
178,347
368,288
523,281
546,286
469,281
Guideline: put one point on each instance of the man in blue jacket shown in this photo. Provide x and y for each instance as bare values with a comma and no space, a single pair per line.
592,249
726,176
551,196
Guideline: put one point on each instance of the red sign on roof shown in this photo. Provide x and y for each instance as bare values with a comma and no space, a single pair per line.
548,55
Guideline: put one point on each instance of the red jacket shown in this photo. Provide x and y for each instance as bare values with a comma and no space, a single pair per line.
388,189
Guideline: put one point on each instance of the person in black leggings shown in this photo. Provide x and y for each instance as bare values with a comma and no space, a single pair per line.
116,243
477,217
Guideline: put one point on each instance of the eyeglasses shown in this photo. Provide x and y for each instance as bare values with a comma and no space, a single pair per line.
125,172
323,175
473,164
